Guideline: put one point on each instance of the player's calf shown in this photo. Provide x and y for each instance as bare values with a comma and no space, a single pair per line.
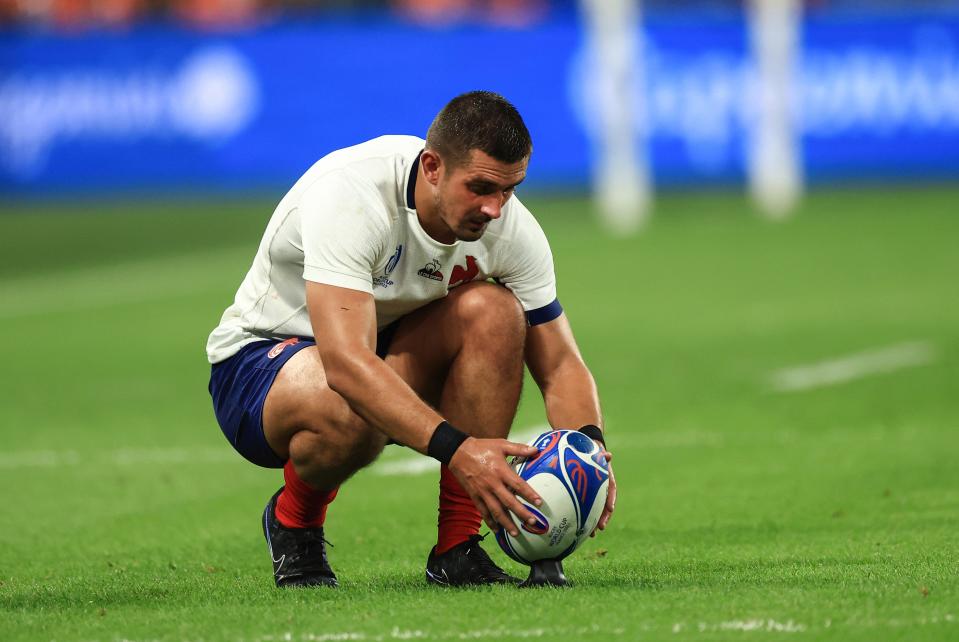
480,396
294,518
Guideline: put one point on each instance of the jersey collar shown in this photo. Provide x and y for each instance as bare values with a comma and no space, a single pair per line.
411,183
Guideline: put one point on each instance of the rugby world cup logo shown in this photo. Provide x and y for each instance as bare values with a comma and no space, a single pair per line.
395,259
383,280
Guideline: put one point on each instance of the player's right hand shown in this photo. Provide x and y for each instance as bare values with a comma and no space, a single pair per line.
480,467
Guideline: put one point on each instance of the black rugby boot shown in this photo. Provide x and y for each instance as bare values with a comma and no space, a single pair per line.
465,564
298,554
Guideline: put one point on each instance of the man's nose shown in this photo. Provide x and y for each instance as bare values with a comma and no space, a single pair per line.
493,206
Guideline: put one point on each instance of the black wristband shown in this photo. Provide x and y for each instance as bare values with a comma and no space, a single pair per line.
594,433
445,441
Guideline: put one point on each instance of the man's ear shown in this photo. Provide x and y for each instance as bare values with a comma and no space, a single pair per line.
433,166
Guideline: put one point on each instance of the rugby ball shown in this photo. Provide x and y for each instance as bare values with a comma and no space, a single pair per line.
572,477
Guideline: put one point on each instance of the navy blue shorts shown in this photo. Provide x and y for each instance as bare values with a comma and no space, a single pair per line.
239,386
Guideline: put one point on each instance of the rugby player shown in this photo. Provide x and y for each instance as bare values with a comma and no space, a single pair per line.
396,293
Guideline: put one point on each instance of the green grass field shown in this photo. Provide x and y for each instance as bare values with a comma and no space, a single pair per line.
746,511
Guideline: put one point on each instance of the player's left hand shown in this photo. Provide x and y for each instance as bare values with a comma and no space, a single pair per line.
610,497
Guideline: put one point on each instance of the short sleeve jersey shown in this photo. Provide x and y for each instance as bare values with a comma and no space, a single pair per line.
351,222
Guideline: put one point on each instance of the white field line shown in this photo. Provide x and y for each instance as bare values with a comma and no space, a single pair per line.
768,625
133,281
409,464
397,462
396,633
853,366
416,464
13,460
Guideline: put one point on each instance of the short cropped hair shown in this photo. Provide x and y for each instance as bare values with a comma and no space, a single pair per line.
479,120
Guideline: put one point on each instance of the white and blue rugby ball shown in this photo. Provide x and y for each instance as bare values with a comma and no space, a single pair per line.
572,477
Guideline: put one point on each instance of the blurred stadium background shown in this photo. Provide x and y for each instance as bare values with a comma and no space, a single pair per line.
753,212
105,95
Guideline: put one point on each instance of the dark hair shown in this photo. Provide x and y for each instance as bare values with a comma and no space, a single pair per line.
479,120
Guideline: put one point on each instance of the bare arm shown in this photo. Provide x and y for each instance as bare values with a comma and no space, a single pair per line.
568,388
558,368
344,322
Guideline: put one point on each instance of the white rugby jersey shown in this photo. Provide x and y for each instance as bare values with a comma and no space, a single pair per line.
350,222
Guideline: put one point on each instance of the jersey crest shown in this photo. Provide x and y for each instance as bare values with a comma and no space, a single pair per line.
464,275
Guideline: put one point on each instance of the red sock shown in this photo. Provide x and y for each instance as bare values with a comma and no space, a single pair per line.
300,505
459,517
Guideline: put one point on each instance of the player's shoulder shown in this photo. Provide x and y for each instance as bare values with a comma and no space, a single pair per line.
380,165
375,169
393,144
378,154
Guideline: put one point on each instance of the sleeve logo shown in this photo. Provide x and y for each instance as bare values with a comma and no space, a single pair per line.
383,280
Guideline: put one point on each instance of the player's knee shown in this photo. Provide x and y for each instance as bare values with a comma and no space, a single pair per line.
490,312
343,446
367,447
358,443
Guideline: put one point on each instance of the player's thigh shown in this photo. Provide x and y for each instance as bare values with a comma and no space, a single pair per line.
300,405
427,340
301,400
421,348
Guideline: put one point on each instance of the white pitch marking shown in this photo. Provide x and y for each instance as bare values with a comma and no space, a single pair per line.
397,633
38,459
853,366
120,457
410,466
756,624
417,464
414,464
397,463
136,456
761,625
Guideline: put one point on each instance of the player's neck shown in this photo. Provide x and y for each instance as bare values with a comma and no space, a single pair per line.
427,212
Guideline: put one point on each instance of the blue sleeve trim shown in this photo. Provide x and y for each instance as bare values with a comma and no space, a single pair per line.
544,314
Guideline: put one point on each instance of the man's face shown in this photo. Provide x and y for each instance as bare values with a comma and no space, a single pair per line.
470,195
